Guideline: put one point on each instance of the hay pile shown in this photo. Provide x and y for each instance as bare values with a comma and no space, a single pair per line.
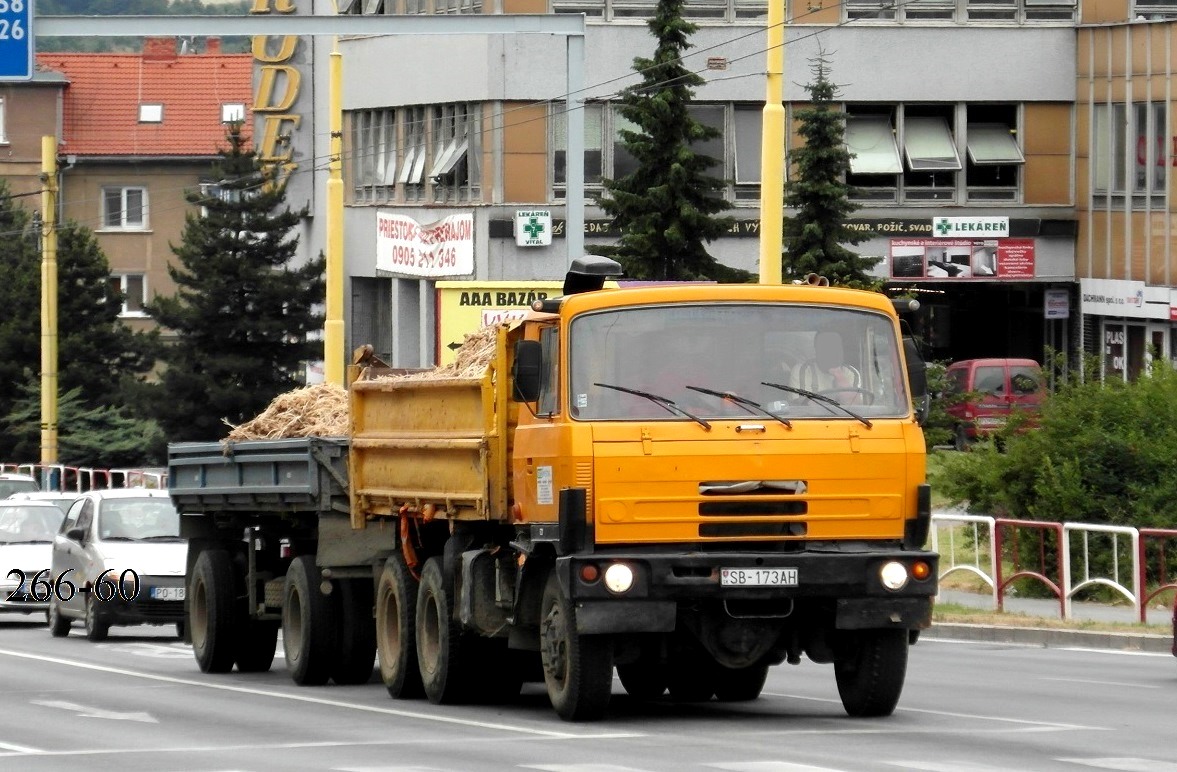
319,410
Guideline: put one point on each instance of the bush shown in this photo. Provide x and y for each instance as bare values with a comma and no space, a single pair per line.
1101,453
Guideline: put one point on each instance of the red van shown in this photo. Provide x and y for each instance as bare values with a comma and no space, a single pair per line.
997,387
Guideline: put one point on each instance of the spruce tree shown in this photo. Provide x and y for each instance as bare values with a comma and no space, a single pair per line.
667,208
241,313
814,237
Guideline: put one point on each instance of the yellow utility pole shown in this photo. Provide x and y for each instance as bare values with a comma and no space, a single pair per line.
772,149
333,371
49,300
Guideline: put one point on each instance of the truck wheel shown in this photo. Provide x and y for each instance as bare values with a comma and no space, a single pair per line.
691,673
59,623
308,625
255,650
357,632
97,628
578,669
396,630
740,685
642,680
440,648
500,670
870,673
212,612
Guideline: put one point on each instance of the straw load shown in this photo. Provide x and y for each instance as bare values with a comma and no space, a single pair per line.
321,410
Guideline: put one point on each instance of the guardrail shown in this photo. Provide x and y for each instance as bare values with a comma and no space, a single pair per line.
60,477
995,548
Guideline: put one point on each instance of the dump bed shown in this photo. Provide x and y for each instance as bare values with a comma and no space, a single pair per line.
438,446
306,474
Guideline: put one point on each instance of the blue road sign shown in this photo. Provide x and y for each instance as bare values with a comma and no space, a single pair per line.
16,39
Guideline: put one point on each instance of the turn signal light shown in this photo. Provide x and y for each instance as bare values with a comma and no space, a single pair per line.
920,570
589,573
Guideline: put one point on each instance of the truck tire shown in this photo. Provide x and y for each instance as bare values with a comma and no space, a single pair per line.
441,645
578,669
97,627
499,677
213,620
258,644
357,632
741,685
643,681
870,672
691,673
308,625
396,630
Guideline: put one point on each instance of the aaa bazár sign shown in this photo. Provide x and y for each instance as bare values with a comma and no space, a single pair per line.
406,247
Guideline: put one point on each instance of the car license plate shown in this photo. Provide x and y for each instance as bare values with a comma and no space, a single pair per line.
758,577
167,593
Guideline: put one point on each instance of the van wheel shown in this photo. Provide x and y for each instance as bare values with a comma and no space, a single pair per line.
396,630
961,440
308,625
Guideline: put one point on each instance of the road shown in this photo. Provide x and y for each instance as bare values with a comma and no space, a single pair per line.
139,702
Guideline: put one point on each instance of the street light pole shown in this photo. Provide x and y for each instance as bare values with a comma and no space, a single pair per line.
772,149
48,300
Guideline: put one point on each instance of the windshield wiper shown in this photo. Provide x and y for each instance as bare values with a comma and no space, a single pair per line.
161,537
119,538
666,403
820,398
27,541
731,396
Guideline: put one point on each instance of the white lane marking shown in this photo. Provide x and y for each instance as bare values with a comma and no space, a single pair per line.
946,766
1099,683
771,766
1018,645
87,712
155,650
1044,725
322,701
1126,764
580,768
18,748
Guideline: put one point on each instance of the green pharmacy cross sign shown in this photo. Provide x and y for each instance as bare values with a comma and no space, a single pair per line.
533,227
16,40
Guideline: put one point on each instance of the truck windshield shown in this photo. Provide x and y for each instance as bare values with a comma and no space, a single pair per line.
686,353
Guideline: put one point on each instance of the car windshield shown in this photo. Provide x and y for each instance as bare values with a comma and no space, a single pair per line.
23,523
9,487
138,519
735,360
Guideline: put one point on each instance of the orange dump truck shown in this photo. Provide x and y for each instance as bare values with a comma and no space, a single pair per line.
683,484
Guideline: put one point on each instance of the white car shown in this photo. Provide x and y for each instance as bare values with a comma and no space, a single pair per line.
61,498
27,529
120,552
11,483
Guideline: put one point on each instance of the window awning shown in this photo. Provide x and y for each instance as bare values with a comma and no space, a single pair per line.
872,144
407,166
455,151
991,144
929,146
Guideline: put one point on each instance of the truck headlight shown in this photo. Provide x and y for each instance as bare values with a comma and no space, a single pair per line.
619,578
893,575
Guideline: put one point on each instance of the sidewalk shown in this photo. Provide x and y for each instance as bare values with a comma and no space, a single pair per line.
1051,637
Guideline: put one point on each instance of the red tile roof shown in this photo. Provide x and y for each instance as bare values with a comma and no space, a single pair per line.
101,110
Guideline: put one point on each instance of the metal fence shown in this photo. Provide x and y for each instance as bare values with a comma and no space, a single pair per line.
60,477
1068,559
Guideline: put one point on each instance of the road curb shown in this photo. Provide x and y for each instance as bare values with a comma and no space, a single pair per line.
1051,638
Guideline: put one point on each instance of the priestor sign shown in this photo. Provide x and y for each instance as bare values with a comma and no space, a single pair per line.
407,248
970,227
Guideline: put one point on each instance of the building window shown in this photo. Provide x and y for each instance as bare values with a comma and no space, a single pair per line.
1129,137
150,113
232,112
1155,10
3,122
124,208
133,288
454,171
1019,11
695,10
372,160
390,7
917,153
593,142
412,173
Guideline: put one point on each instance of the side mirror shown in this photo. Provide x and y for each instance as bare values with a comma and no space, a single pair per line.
527,370
917,376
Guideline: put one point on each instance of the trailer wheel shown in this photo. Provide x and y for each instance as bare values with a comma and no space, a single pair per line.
212,612
643,681
357,633
440,642
396,630
741,685
578,669
870,672
308,625
259,641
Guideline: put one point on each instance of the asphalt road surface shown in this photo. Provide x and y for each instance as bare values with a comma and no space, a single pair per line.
139,702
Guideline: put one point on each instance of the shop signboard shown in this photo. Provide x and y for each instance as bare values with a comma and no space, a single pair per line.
925,259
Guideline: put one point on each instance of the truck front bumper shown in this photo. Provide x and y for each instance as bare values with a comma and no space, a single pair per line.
848,583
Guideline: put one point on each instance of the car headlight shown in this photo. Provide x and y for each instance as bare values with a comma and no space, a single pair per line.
618,578
893,575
